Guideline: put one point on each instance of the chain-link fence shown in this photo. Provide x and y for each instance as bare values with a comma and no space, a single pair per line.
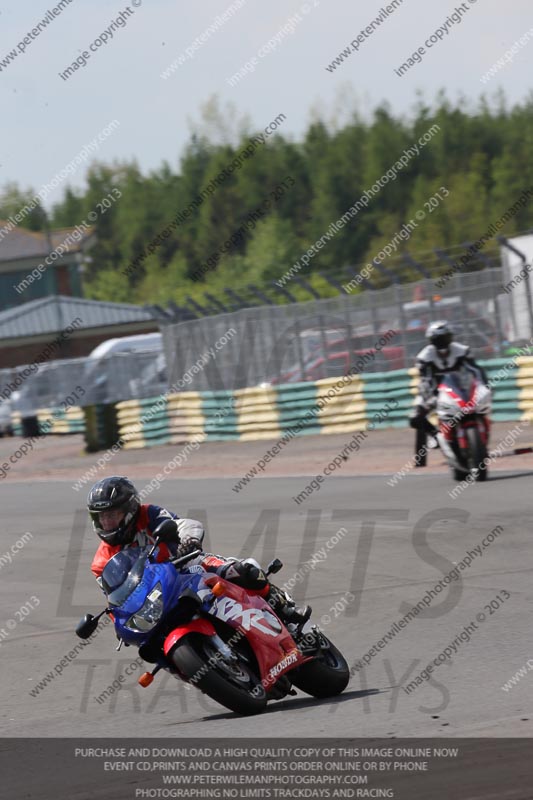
84,381
373,331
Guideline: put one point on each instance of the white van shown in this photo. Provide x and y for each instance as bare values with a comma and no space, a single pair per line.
128,344
6,426
143,376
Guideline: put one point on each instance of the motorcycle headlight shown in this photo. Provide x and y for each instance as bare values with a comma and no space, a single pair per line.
149,614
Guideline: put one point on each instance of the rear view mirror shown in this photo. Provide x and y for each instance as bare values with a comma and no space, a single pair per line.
166,530
87,626
274,566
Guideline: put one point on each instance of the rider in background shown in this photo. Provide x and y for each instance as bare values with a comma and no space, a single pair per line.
121,521
440,355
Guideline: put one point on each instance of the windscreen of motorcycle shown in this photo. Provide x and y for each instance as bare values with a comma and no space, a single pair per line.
122,574
460,382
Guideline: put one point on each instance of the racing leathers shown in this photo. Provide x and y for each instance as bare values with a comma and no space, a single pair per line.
189,534
189,537
432,364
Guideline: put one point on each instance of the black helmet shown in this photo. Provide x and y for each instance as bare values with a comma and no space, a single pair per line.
440,334
115,494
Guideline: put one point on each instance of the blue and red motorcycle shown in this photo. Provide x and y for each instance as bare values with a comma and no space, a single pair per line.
213,634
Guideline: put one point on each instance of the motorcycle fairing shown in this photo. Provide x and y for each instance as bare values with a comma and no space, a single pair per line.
135,588
273,646
131,578
198,625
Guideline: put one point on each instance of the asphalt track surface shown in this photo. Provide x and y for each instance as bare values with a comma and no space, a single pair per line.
399,543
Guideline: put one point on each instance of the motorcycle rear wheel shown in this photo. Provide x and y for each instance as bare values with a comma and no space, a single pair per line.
326,676
234,686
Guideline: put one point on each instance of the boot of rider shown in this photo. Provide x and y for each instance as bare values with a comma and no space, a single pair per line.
419,419
284,606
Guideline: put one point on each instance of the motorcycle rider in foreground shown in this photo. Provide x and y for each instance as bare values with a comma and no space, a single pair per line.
440,355
121,521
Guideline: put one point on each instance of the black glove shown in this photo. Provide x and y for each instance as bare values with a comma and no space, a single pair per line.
187,545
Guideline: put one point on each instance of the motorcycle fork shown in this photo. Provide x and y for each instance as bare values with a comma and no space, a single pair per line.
452,435
318,645
223,648
461,439
483,426
485,430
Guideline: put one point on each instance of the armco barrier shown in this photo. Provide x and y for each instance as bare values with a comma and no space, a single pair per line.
503,378
221,415
71,420
143,423
257,411
524,381
399,385
101,427
331,405
296,404
343,405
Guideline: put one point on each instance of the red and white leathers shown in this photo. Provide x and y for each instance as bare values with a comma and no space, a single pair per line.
432,363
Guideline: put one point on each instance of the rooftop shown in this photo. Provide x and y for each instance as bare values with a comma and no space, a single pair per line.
56,312
21,243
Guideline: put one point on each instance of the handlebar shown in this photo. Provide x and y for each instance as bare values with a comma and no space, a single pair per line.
183,559
176,561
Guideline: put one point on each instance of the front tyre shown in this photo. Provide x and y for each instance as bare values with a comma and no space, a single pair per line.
459,474
477,453
326,676
232,684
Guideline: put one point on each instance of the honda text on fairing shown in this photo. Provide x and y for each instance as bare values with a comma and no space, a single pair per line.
463,408
212,633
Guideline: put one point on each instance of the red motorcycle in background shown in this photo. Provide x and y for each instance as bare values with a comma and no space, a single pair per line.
463,407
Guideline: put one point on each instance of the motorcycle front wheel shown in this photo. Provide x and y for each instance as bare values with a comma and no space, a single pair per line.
233,684
326,676
459,474
477,453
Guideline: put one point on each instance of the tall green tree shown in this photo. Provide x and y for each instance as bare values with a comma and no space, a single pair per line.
14,200
286,195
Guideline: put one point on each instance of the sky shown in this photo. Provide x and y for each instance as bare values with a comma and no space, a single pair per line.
287,44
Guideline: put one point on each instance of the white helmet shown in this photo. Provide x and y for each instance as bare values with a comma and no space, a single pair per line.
440,334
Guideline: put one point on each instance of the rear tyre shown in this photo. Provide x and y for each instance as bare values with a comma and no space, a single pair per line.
477,453
326,676
233,685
